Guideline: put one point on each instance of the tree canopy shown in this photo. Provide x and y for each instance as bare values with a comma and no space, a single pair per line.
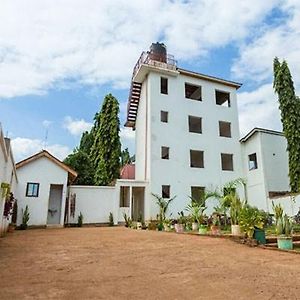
106,149
289,105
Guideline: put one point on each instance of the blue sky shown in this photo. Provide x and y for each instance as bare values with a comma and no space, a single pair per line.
58,61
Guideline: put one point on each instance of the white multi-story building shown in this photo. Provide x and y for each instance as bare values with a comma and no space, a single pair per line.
187,131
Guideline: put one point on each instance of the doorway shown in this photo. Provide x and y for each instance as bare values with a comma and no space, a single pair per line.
54,206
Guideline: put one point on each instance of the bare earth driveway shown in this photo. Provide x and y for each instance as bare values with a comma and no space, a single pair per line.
120,263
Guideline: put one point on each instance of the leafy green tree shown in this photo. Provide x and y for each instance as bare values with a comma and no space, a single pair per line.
106,149
289,105
125,157
80,162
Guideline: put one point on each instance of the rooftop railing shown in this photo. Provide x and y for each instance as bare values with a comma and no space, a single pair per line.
156,60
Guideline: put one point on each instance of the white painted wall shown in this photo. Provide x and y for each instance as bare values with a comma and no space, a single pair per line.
44,172
176,171
272,171
95,203
290,207
275,159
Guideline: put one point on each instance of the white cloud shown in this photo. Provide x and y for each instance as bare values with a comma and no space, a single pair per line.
46,123
76,127
24,147
255,61
43,43
127,136
258,108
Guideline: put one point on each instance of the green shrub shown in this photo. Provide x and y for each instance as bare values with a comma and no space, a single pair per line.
111,219
80,220
249,218
25,218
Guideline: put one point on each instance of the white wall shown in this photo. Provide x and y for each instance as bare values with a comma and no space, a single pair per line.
275,159
44,172
290,207
256,188
176,171
95,203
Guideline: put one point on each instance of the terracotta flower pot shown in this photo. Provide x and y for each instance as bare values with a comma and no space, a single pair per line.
215,230
179,228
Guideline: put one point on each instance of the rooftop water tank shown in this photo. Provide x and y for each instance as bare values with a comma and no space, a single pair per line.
158,52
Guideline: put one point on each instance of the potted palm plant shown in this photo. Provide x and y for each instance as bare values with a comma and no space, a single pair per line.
163,205
251,220
196,212
283,228
284,233
215,227
179,225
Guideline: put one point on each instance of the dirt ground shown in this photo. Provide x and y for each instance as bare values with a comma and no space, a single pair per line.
120,263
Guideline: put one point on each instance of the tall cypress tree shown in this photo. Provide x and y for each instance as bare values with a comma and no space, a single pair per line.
289,105
106,149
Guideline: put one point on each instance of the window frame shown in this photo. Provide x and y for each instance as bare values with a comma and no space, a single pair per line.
255,162
228,154
164,92
168,193
202,188
189,121
35,195
228,101
168,152
226,136
191,164
192,85
166,115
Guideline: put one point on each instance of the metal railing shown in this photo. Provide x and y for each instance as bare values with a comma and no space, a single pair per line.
156,60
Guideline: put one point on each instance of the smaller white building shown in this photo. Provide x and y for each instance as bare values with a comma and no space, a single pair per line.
265,165
43,182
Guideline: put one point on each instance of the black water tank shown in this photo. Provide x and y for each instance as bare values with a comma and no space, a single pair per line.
158,52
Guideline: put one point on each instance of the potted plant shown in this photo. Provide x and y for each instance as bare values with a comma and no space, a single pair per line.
25,218
111,219
167,225
235,206
215,227
127,220
179,225
251,220
163,205
80,220
202,229
284,233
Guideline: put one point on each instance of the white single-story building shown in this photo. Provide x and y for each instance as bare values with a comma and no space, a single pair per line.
43,186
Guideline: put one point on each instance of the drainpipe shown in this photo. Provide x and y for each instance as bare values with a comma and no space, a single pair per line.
146,129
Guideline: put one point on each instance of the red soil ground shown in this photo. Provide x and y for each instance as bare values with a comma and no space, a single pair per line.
120,263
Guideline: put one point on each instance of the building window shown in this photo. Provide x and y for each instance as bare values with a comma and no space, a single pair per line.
165,152
32,189
165,191
124,196
164,116
197,193
223,98
227,162
195,124
164,85
193,92
196,159
225,129
252,161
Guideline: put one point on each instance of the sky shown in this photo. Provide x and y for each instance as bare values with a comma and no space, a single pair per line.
58,59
